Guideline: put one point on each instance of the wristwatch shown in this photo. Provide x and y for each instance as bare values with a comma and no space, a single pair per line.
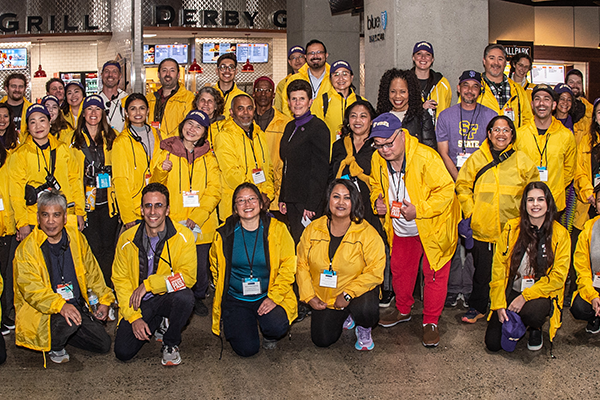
347,297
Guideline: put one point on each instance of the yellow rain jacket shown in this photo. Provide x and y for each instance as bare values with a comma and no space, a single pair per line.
583,265
7,216
496,197
23,128
431,189
359,261
273,135
214,130
583,182
70,118
28,165
333,113
177,248
36,300
442,94
519,102
130,168
280,93
177,107
202,176
235,91
280,254
559,155
550,286
238,156
303,74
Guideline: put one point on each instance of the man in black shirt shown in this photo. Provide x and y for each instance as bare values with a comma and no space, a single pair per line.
15,85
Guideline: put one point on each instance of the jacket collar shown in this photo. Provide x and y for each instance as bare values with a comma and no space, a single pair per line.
138,239
174,145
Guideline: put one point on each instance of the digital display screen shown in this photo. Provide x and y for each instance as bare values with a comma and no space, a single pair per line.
255,52
13,59
178,52
548,74
212,51
148,54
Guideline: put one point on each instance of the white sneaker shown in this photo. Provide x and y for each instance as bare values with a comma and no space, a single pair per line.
59,357
171,356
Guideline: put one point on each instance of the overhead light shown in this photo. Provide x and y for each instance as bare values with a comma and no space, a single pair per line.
248,67
149,35
40,73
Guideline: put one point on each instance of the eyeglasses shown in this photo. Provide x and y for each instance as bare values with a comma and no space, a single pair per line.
522,65
503,130
249,200
157,206
342,73
225,67
297,58
262,90
385,145
315,53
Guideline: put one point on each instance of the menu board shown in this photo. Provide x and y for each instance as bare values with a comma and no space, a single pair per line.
13,59
212,51
178,52
255,52
548,74
148,54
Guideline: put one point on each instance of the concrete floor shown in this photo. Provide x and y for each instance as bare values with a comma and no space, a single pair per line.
398,367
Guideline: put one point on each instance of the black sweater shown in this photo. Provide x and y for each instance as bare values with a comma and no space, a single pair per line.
305,156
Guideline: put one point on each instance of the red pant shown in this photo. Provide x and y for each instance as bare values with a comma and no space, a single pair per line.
404,263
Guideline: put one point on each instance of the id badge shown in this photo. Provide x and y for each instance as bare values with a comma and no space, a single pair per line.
175,283
596,180
543,173
596,282
258,176
191,199
510,114
305,221
328,279
1,204
395,209
251,286
155,124
65,290
103,181
527,282
147,178
461,158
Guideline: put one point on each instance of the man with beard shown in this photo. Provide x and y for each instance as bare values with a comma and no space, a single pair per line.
243,154
574,80
501,93
315,72
226,71
112,95
296,59
171,103
549,144
56,87
15,86
273,123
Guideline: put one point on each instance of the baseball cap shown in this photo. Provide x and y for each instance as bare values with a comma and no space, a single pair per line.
36,108
562,88
469,75
112,62
198,116
423,46
296,49
545,88
512,330
385,125
48,98
76,84
340,64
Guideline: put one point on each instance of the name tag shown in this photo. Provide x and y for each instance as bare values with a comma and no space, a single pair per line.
596,282
527,282
596,180
258,176
395,209
1,204
461,158
191,199
103,181
305,221
175,283
543,173
251,286
328,279
65,290
147,177
510,113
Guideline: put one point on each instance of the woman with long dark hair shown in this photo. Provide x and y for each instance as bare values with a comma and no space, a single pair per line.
9,136
253,262
74,95
399,94
530,268
59,127
92,148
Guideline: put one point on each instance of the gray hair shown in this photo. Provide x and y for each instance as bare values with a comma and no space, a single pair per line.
493,46
52,197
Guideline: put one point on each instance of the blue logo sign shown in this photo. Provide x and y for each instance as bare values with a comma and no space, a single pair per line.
384,19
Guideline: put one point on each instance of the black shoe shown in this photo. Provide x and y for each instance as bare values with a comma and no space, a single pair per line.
387,296
451,300
593,326
8,323
536,340
303,311
200,308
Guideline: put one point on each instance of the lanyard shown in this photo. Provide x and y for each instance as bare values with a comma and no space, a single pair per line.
250,262
399,173
310,79
49,169
160,255
542,151
190,170
466,136
253,152
139,140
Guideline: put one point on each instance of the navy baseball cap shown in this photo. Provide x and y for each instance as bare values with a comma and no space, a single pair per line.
340,64
512,330
296,49
48,98
198,116
78,84
561,88
385,125
35,108
469,75
112,62
423,46
93,100
543,87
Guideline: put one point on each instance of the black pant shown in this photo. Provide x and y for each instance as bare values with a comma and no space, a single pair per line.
294,214
582,310
239,325
176,306
326,325
2,350
101,234
8,245
90,335
201,285
483,256
533,315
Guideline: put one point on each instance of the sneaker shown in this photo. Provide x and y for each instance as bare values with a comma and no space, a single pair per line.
164,325
393,318
200,308
9,323
465,299
593,326
536,340
4,330
303,311
171,356
431,335
59,357
349,322
269,344
472,316
364,341
387,296
451,300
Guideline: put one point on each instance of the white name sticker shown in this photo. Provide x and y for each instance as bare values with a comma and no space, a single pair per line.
191,199
461,158
543,173
527,282
258,176
251,286
328,279
596,282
